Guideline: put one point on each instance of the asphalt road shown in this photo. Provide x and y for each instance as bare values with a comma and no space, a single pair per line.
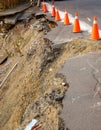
87,9
82,103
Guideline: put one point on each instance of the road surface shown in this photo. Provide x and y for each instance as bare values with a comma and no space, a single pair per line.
82,103
87,9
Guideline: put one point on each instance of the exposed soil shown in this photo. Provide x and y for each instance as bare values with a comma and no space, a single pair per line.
34,89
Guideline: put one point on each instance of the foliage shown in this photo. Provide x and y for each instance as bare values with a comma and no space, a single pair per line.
10,3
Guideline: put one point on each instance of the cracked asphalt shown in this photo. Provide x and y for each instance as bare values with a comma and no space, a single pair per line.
82,103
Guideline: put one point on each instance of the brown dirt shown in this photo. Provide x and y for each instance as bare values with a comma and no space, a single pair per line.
26,93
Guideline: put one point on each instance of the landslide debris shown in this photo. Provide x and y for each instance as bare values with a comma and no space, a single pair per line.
34,89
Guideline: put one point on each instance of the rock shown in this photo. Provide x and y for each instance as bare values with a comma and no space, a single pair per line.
63,84
25,16
50,69
39,28
12,19
59,97
39,15
51,95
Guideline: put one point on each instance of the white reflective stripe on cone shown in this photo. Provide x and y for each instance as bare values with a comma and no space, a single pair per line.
95,22
76,17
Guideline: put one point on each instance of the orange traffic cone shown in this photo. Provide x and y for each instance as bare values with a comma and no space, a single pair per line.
57,16
76,27
53,11
95,30
66,18
45,8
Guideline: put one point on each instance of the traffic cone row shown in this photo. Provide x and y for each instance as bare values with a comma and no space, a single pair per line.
76,26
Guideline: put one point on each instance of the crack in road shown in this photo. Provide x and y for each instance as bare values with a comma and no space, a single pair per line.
97,88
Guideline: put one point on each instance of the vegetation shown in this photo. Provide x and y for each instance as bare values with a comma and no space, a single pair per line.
5,4
9,3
